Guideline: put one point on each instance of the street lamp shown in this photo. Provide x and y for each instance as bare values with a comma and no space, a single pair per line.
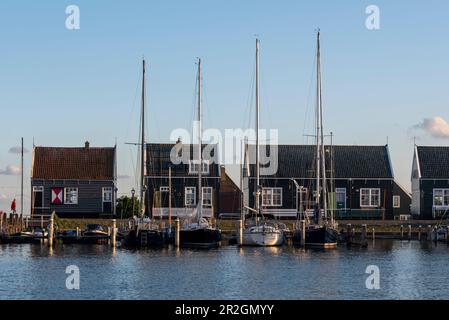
133,192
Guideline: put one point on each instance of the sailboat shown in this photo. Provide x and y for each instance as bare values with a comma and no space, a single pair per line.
260,232
320,233
144,234
199,233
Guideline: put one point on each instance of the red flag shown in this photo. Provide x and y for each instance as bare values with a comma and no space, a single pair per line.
13,205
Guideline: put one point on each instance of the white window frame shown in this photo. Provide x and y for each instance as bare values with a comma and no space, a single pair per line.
341,191
396,201
444,194
194,164
67,197
190,191
371,203
164,189
210,192
105,191
269,202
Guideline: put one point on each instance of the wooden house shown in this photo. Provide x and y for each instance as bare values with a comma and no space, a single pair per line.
361,182
73,182
430,182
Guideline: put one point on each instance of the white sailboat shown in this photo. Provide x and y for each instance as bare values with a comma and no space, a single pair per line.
260,232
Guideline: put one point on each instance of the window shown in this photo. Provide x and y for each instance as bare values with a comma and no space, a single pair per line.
107,194
194,165
272,197
441,197
71,195
340,194
207,197
396,201
38,197
369,198
190,196
164,189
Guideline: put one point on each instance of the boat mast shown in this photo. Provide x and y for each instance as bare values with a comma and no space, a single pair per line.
257,204
142,147
21,182
318,133
323,154
200,138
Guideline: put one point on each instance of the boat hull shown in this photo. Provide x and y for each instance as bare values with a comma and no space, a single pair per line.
200,238
320,237
263,239
145,239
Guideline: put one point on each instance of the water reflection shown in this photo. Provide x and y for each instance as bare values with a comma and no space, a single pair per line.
408,270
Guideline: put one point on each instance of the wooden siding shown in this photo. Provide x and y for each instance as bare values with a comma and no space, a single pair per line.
90,198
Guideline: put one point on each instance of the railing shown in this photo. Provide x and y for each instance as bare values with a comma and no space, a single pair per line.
359,214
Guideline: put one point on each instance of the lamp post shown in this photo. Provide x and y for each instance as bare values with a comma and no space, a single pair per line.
133,192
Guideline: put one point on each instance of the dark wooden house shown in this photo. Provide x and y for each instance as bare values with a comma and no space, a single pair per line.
73,182
184,182
430,182
360,180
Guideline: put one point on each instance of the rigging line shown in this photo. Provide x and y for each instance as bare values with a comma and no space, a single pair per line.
307,115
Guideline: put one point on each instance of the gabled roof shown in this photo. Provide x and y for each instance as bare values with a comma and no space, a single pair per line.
433,162
159,158
73,163
297,161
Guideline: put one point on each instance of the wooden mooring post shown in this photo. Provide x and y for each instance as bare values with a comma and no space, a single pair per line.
363,234
303,233
409,232
114,233
374,234
51,231
177,230
402,232
419,233
1,222
240,233
348,233
429,232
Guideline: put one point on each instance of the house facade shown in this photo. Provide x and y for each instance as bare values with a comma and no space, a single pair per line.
360,182
73,182
430,182
175,165
178,161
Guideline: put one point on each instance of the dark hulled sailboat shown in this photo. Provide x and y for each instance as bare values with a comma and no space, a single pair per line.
199,233
319,233
144,234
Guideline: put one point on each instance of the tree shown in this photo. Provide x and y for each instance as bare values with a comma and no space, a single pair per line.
125,207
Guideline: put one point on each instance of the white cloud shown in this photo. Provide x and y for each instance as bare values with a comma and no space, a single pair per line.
437,127
18,150
11,170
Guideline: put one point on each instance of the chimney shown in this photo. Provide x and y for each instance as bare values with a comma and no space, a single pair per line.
86,145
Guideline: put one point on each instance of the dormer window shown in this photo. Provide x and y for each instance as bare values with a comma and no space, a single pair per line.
194,167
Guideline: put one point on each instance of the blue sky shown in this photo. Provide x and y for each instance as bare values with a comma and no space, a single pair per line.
61,87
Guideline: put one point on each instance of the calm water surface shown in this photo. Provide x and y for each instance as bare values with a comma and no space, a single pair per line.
408,270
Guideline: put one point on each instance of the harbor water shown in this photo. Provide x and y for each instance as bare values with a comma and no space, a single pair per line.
408,270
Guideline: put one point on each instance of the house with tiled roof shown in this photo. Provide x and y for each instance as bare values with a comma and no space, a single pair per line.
74,182
430,182
360,181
